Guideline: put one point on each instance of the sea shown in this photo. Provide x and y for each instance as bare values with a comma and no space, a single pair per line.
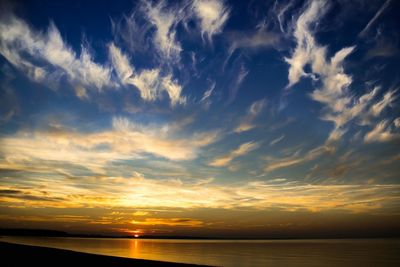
307,252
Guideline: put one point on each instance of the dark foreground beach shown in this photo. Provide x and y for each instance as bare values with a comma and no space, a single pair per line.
23,255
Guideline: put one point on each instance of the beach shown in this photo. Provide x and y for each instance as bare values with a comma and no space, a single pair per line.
24,255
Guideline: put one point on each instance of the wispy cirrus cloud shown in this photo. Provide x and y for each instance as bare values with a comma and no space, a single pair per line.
277,140
126,140
341,106
189,222
50,59
206,99
165,21
374,18
246,123
241,73
18,39
150,83
242,150
261,38
212,15
296,158
172,194
383,132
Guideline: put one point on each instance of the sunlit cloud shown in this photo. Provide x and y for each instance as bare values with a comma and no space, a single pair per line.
297,158
165,21
333,91
381,133
125,140
17,39
143,193
247,122
170,222
150,83
243,149
212,14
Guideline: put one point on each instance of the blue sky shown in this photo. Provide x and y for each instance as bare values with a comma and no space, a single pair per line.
169,111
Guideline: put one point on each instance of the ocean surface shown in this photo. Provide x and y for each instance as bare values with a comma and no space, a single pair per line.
318,252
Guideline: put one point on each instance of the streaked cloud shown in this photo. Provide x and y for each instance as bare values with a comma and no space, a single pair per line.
297,158
126,140
189,222
206,99
164,20
277,140
261,38
243,149
374,18
382,132
143,193
384,47
17,39
246,122
340,105
150,83
241,74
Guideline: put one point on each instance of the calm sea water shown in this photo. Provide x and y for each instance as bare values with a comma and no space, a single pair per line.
346,252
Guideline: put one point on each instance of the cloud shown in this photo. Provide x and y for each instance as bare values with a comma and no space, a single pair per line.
296,158
386,101
277,140
306,47
173,89
188,222
9,103
18,39
165,21
174,194
121,63
374,18
206,99
212,14
27,49
28,196
241,75
396,122
381,133
280,8
157,23
246,122
257,106
150,83
384,47
243,149
81,92
375,110
259,39
93,151
132,31
340,105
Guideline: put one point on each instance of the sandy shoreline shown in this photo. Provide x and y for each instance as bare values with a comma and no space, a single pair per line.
24,255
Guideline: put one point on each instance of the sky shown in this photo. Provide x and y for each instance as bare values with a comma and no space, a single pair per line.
201,118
